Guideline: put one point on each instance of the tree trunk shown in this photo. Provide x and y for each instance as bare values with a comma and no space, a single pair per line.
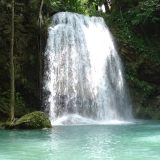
12,78
40,21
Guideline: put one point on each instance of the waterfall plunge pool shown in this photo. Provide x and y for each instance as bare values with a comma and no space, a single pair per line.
123,141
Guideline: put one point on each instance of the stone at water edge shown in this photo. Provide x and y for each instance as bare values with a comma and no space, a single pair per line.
33,120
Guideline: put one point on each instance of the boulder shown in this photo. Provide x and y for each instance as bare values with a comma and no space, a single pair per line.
33,120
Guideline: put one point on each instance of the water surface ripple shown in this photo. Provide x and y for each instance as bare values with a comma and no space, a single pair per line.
138,141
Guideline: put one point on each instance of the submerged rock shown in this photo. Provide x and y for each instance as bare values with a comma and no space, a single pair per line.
34,120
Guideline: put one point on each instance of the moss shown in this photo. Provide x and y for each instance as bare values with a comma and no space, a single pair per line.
33,120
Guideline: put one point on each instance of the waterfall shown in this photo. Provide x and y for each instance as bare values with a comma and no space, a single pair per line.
83,74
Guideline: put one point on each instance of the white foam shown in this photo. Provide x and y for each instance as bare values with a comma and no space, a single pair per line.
74,119
83,73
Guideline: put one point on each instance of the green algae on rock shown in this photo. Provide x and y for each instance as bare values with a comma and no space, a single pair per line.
33,120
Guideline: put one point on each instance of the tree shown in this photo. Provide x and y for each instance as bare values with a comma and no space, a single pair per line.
40,21
12,77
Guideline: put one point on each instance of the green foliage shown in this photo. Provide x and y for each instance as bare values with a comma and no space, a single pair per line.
4,102
149,112
86,7
135,24
136,28
20,104
142,87
146,12
55,6
32,59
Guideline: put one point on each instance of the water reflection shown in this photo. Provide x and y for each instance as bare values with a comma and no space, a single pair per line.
90,142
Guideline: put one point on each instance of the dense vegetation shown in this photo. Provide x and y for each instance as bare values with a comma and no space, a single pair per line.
134,23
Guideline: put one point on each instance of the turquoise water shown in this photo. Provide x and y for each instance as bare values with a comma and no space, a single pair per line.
137,141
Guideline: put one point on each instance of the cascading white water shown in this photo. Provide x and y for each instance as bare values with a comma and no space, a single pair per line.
83,76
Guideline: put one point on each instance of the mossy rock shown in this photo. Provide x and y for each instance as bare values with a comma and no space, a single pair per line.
33,120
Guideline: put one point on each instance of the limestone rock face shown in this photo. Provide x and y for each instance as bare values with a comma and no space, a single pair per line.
33,120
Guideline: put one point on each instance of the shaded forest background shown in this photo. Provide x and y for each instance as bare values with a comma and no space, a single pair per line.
135,25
